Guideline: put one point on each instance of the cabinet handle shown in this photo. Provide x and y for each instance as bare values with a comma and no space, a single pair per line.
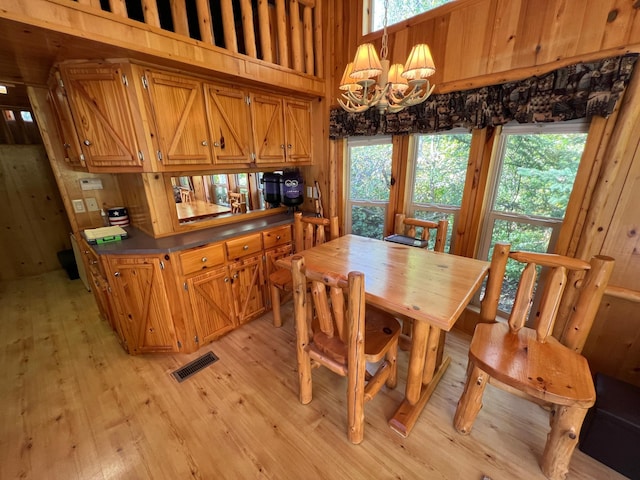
226,279
204,143
117,274
216,144
235,275
87,142
282,146
204,259
246,247
289,146
66,145
93,262
277,237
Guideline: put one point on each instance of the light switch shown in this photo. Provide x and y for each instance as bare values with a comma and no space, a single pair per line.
78,206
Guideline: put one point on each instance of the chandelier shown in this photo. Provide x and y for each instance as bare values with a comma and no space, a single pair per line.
397,87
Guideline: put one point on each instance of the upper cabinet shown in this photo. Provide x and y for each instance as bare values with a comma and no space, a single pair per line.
178,109
101,104
130,118
281,129
230,125
64,122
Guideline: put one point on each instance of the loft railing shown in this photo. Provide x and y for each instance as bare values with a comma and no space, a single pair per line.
282,32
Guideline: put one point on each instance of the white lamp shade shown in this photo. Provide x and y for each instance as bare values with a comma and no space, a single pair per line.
348,82
420,63
366,63
397,81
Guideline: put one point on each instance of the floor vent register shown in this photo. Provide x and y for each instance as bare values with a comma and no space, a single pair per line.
194,366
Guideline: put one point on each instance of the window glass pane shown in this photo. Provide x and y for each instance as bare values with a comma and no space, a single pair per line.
399,10
538,172
26,116
367,221
370,172
521,236
441,166
436,217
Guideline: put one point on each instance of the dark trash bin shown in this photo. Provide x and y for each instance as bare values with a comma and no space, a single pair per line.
68,262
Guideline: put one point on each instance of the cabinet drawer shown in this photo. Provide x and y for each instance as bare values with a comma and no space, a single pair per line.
206,257
241,247
276,237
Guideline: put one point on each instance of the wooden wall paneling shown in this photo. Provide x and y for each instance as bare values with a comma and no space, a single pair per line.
503,37
179,16
613,346
248,29
469,40
265,30
592,26
529,35
150,12
618,24
29,241
562,25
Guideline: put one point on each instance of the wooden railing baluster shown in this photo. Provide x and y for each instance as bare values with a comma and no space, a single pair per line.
283,44
296,35
248,29
179,15
204,21
265,30
150,12
317,39
307,17
229,26
118,7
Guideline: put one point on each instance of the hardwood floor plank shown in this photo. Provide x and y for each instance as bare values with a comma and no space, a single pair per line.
75,406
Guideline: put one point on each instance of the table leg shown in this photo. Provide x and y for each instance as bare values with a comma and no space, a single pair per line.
426,376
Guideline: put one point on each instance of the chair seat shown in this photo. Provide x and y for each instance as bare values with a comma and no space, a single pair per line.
548,371
380,330
282,279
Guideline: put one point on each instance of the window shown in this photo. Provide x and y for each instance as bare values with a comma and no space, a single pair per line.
26,116
368,183
439,171
536,168
397,11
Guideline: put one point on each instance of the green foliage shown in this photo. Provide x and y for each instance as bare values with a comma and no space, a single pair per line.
399,10
367,221
370,173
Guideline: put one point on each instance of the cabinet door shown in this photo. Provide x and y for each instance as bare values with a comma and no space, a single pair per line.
101,109
268,129
248,288
298,131
179,115
64,123
139,290
211,300
230,125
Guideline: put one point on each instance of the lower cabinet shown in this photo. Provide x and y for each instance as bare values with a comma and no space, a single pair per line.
144,317
248,284
211,301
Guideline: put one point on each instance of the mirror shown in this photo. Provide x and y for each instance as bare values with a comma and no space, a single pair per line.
204,197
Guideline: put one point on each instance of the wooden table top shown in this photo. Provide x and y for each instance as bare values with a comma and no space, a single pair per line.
419,283
199,208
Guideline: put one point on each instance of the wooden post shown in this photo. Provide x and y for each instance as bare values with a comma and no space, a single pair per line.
584,312
229,26
281,26
247,29
317,39
204,21
93,3
150,12
489,306
296,35
302,332
179,15
566,423
470,402
265,30
357,364
118,7
307,24
417,355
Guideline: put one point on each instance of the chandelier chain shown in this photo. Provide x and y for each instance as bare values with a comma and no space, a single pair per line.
384,49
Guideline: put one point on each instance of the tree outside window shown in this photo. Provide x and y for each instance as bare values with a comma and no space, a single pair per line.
399,10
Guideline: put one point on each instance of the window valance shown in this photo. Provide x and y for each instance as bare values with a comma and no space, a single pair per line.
576,91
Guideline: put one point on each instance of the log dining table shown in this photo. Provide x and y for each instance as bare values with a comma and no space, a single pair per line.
429,287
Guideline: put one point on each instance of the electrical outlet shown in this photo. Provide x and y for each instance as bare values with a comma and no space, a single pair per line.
78,206
309,192
92,204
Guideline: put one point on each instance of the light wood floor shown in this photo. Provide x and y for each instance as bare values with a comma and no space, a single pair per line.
73,405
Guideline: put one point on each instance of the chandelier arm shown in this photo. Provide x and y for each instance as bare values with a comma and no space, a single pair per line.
354,99
351,108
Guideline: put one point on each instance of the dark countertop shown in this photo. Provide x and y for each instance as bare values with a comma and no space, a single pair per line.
139,242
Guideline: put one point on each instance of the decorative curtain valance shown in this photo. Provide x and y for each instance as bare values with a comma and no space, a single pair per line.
571,92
